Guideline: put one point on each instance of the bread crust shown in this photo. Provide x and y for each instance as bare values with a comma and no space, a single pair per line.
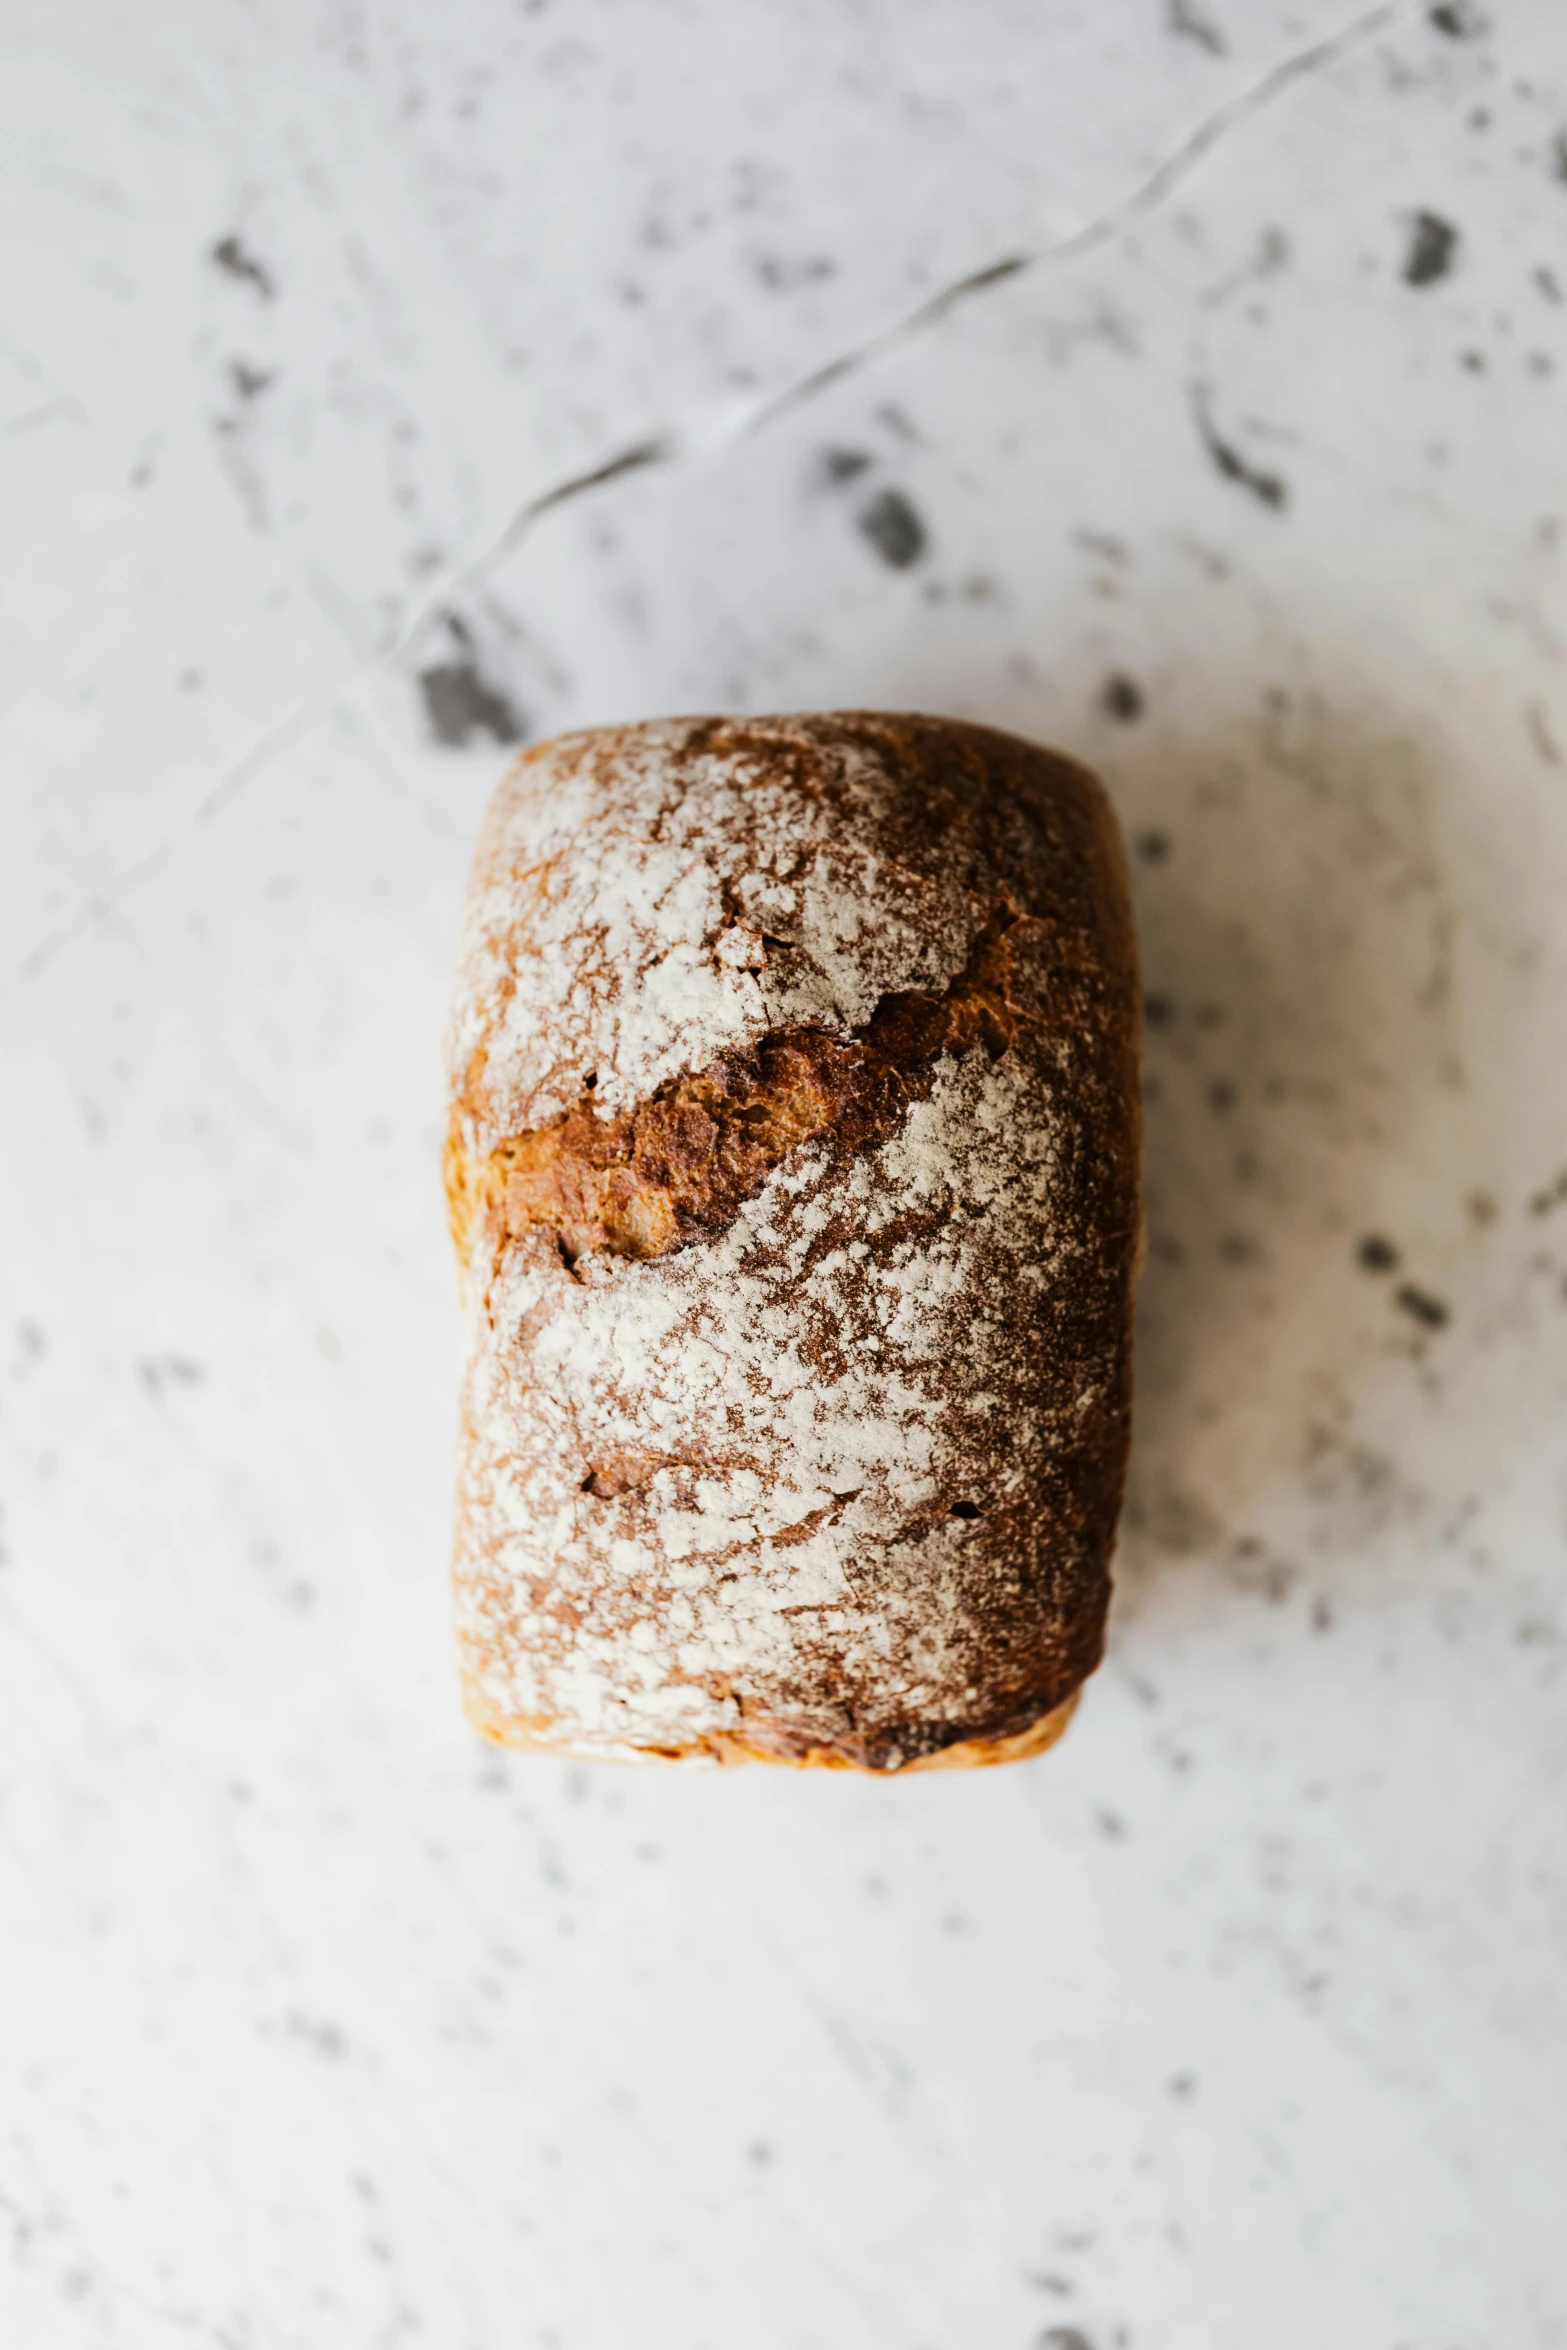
725,1748
792,1164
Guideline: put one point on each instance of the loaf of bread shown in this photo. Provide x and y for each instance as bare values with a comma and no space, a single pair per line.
793,1168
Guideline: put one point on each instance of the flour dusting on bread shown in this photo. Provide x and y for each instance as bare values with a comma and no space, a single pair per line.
793,1169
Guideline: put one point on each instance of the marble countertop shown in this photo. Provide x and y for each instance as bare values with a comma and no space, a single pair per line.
1181,382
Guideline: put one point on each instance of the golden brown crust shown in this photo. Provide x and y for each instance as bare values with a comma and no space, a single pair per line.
793,1169
727,1749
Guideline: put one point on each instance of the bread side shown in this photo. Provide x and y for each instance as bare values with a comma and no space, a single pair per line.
793,1172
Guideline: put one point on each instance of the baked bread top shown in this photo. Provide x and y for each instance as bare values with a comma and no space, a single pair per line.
793,1167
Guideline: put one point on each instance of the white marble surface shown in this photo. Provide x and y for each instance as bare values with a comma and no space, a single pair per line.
1242,2019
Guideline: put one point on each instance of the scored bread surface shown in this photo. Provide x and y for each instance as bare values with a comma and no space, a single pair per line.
793,1172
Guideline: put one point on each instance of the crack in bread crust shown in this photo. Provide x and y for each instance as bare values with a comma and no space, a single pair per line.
675,1170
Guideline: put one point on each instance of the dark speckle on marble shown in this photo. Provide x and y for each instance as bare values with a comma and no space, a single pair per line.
1122,696
459,703
1433,247
892,526
1154,847
324,2038
157,1372
1376,1254
1192,23
1430,1312
1540,734
1063,2338
236,260
1457,20
844,464
1269,489
784,273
